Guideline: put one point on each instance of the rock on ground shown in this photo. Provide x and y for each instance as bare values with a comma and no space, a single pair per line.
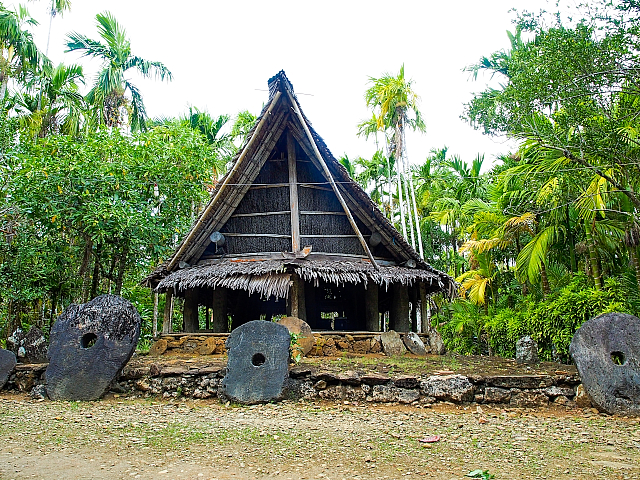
392,344
452,388
29,347
527,350
414,344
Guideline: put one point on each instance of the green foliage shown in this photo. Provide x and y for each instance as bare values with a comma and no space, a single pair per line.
481,474
552,322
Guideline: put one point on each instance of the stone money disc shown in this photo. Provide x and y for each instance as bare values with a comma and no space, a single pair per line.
606,350
258,362
89,346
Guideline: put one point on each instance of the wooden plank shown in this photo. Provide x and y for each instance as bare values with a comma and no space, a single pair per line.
329,236
363,214
260,214
293,194
329,177
270,185
321,213
315,187
270,235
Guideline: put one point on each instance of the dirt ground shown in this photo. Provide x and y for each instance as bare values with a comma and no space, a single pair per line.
122,438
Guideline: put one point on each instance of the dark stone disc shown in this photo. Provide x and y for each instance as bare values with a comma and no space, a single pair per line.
606,350
89,346
258,364
7,364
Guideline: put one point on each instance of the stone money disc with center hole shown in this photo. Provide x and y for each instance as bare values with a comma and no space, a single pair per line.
7,364
302,328
606,350
258,362
89,346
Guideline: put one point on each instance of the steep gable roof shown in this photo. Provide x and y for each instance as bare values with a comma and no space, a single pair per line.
281,112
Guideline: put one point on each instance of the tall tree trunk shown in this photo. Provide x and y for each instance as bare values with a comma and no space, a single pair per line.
122,263
415,214
633,256
54,306
546,290
96,271
571,241
593,255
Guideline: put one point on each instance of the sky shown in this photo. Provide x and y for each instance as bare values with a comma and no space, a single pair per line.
221,54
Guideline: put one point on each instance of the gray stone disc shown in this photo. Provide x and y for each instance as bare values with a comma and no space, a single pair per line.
414,344
606,350
7,364
392,344
258,364
89,346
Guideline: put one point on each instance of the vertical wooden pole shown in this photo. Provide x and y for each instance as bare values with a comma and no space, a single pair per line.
413,298
293,194
399,313
154,328
168,312
190,312
220,319
297,299
371,307
425,321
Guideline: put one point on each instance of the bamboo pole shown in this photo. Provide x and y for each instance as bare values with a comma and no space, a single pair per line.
226,180
327,173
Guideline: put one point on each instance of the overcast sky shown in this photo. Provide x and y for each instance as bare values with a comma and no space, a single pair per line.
222,53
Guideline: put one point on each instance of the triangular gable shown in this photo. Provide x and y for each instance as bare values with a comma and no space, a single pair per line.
279,116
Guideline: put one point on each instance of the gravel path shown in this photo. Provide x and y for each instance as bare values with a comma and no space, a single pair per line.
154,439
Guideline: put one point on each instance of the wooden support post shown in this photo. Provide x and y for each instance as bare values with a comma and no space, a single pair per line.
371,307
220,319
190,313
425,321
293,194
154,327
413,298
297,304
327,174
168,312
399,313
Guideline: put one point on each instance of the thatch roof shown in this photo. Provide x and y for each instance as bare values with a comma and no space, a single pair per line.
271,277
275,117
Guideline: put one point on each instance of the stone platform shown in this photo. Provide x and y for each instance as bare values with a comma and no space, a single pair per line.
200,377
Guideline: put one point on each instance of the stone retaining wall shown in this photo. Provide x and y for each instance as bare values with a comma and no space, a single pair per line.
326,344
317,384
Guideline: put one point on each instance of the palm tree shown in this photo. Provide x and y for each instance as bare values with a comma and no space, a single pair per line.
59,107
395,107
19,53
108,92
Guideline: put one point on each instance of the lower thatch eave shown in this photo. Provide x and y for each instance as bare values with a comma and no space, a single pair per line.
272,277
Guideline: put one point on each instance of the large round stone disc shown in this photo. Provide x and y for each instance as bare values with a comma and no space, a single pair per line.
302,328
7,364
89,346
606,350
258,362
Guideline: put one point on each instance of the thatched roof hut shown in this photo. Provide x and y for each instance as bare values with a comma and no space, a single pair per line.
287,231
